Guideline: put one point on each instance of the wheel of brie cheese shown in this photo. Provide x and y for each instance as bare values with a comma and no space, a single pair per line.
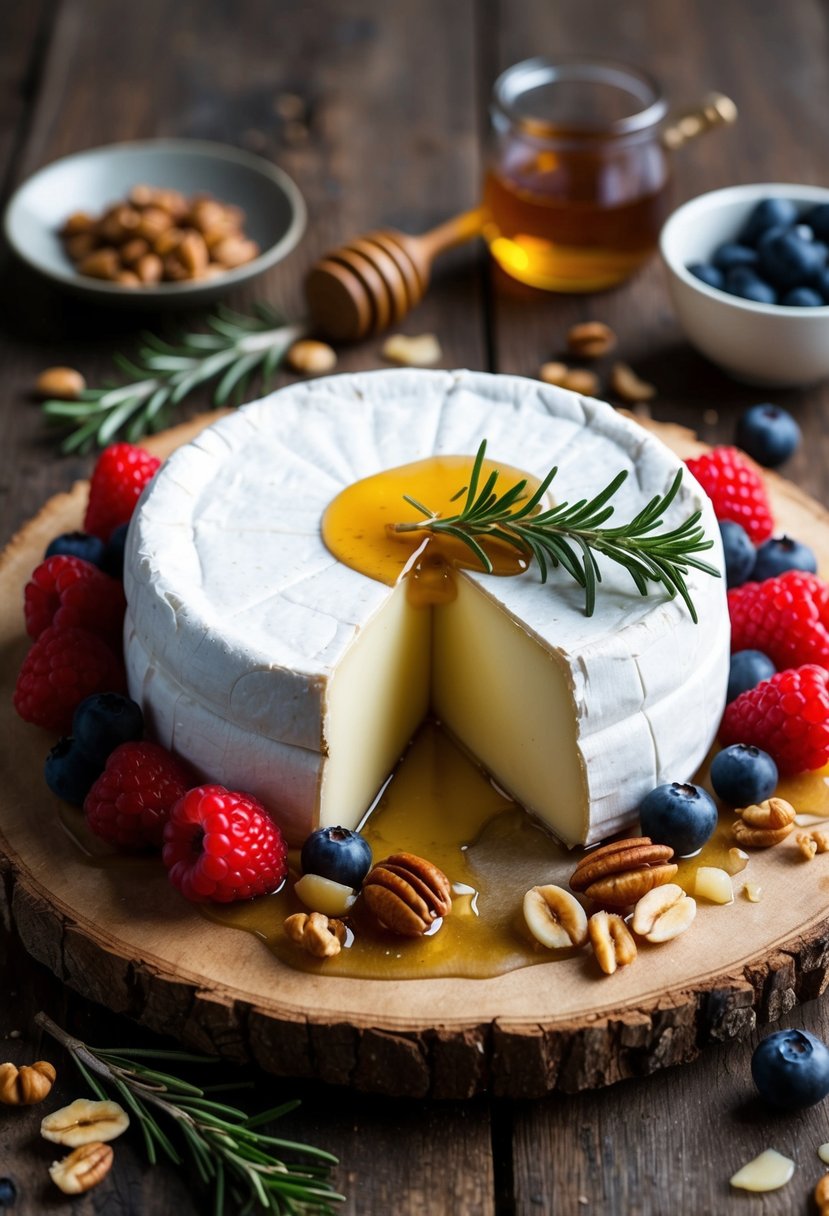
272,667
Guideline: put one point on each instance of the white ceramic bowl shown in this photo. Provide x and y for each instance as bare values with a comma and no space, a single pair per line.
91,180
763,344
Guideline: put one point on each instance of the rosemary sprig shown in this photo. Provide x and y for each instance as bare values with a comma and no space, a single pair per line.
571,535
231,1157
164,373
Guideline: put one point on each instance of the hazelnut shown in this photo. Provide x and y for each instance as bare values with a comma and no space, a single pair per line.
590,339
311,358
62,382
27,1085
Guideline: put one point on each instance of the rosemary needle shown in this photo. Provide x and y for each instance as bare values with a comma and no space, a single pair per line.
570,536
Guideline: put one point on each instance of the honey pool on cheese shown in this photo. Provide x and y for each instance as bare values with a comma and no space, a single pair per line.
273,667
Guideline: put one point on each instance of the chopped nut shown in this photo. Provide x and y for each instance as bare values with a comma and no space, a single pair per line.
590,339
555,918
664,913
823,1153
765,1173
753,892
83,1168
84,1122
611,940
62,382
807,846
311,358
625,383
407,894
737,860
420,351
713,884
27,1085
579,380
316,933
553,373
324,895
765,824
619,874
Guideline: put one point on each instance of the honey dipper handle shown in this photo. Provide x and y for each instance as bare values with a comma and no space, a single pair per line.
452,232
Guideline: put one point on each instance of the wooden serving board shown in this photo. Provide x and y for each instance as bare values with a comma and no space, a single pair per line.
122,936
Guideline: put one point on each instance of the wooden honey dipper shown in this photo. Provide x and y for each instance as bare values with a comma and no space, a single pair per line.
374,280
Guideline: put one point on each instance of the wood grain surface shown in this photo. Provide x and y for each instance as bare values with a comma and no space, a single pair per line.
395,98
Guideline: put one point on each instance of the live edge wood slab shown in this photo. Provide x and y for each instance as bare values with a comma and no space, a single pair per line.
120,935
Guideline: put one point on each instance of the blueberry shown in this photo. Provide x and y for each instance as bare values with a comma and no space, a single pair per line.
8,1193
681,816
768,433
338,854
803,232
742,775
770,213
780,554
789,262
743,282
77,544
729,255
738,551
103,721
802,297
791,1069
818,221
707,274
113,559
748,669
771,234
69,772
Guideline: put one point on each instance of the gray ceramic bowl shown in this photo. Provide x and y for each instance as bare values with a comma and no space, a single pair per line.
89,181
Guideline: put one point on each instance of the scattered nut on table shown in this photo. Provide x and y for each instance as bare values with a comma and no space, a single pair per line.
316,933
83,1168
26,1085
84,1122
311,358
590,339
620,873
811,843
821,1196
625,383
555,918
65,383
737,860
664,913
420,351
406,894
580,380
763,825
767,1172
611,940
714,884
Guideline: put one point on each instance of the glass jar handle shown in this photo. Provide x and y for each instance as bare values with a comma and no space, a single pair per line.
715,110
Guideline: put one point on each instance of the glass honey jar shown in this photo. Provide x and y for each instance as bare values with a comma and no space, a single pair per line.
578,175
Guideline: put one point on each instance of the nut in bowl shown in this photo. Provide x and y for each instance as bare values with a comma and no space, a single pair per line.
767,344
91,182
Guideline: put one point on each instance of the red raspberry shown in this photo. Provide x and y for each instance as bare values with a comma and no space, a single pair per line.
63,667
736,489
787,716
129,803
221,845
69,591
786,617
118,478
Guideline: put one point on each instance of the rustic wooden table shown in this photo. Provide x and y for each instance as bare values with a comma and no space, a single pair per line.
394,111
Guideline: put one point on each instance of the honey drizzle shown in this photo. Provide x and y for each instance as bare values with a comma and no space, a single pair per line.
357,524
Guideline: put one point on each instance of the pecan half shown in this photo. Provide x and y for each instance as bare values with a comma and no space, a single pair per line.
83,1168
611,941
85,1122
619,874
407,894
26,1085
764,824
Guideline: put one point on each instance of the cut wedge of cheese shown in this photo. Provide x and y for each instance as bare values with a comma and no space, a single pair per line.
274,668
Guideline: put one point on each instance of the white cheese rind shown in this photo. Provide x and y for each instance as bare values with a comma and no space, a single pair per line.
235,601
